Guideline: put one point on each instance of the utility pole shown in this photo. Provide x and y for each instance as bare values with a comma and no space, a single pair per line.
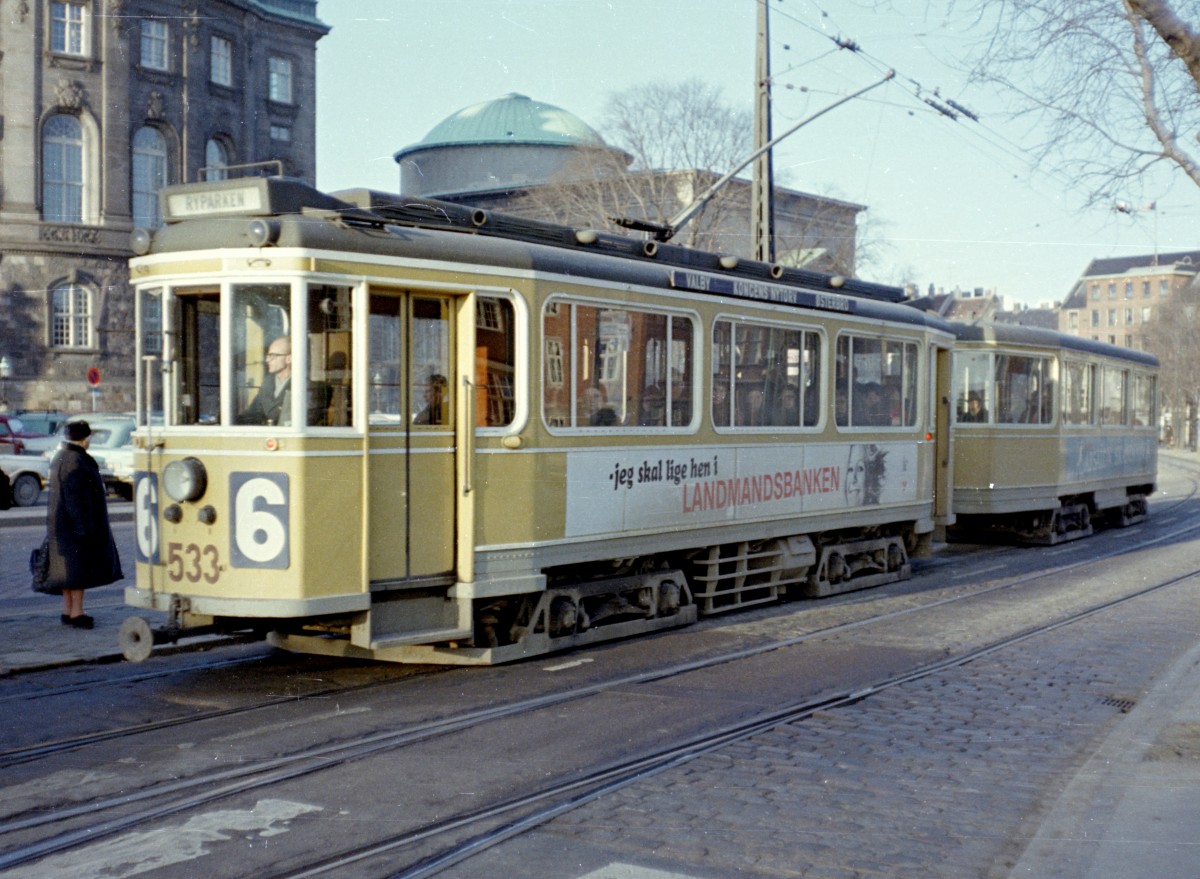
762,206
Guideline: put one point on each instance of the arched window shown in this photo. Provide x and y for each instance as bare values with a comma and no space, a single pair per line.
62,170
71,316
149,176
216,160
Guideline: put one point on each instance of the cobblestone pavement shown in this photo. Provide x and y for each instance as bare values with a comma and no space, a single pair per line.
949,776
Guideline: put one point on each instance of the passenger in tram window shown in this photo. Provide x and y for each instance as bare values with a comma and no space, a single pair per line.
895,408
435,401
787,412
752,411
720,400
273,403
974,411
870,408
841,405
681,401
653,411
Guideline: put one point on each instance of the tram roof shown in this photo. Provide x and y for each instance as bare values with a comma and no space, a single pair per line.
216,212
1039,336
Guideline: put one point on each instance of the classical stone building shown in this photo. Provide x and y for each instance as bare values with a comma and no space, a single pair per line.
102,102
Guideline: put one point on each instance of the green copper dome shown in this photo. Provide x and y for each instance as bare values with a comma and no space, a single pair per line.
512,119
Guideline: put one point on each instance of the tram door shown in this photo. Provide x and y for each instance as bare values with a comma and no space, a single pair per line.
411,438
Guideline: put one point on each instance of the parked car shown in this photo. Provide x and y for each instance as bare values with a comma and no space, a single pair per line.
28,475
13,434
44,421
112,447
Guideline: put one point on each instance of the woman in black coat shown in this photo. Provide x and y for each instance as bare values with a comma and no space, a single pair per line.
82,551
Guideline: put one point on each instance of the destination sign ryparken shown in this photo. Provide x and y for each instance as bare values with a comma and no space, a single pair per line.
744,288
207,202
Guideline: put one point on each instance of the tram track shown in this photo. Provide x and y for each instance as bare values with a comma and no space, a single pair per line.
556,800
133,809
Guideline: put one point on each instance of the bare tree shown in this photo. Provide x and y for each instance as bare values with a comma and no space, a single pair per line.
1172,336
1116,83
661,135
671,142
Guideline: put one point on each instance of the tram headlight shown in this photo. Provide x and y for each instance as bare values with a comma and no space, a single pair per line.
185,480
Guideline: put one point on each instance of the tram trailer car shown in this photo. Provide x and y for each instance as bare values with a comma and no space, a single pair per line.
1053,434
407,430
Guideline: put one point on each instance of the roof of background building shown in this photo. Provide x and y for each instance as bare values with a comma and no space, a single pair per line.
303,11
512,119
1119,265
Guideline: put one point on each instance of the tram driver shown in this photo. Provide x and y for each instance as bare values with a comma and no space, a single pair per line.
273,403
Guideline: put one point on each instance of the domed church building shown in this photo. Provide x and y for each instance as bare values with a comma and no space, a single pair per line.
496,148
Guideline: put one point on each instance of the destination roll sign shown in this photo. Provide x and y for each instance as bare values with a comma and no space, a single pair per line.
744,288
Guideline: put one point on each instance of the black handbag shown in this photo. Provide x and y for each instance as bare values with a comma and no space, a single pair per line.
39,565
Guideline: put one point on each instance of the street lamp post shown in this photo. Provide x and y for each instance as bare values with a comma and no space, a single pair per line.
5,372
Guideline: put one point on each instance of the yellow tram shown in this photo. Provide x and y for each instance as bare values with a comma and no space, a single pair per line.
413,431
1052,433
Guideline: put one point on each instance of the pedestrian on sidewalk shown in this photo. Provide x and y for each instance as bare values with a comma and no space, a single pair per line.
83,554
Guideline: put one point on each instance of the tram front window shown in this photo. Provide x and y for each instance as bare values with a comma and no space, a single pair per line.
261,367
194,367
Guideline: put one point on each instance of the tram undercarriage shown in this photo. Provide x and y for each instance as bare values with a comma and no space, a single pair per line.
1075,517
640,595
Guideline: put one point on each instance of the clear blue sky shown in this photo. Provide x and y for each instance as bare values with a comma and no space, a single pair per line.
954,204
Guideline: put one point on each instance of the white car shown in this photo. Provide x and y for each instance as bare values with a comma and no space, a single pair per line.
28,475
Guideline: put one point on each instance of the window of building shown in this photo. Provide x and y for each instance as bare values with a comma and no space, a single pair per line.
1146,315
1112,289
220,61
1095,318
62,170
1129,315
155,37
279,79
1112,317
281,133
1164,287
68,28
1129,289
216,160
1073,320
149,176
1145,288
1095,291
71,316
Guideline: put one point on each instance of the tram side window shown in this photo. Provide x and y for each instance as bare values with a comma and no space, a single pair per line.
383,361
261,369
1024,390
973,375
765,376
876,382
1112,396
330,359
1144,414
616,367
430,391
495,362
195,361
1077,390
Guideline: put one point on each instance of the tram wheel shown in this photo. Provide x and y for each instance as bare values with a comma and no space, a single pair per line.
136,639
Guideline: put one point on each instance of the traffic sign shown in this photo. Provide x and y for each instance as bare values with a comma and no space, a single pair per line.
93,376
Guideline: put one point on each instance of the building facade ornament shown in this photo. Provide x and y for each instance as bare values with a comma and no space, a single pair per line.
154,106
69,95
